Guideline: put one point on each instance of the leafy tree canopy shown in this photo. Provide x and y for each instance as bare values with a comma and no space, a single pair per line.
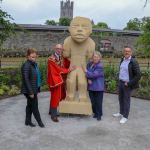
51,22
7,28
64,21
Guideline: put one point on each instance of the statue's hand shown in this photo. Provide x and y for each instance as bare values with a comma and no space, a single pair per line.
72,68
84,69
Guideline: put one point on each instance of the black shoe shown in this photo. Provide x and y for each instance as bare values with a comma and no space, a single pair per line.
94,116
98,118
41,124
30,124
55,119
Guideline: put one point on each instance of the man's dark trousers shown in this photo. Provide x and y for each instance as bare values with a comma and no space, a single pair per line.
124,99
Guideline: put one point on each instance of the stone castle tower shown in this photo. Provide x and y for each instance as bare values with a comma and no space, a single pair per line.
66,9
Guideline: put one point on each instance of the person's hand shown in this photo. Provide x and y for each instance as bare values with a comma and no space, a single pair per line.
72,68
31,96
126,83
89,81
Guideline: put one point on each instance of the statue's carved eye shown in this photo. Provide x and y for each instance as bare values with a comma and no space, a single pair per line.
85,27
75,25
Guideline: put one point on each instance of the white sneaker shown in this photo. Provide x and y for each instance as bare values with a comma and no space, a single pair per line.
117,115
123,120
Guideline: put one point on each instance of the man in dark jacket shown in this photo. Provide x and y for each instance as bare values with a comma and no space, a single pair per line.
129,75
30,87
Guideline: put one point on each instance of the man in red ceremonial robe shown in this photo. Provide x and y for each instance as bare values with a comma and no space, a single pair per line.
58,68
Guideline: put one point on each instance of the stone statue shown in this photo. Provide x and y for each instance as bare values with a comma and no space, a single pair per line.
79,48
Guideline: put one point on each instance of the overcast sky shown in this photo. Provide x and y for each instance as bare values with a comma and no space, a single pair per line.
116,13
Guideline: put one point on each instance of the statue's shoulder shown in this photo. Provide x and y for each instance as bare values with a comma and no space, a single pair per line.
67,42
68,39
91,42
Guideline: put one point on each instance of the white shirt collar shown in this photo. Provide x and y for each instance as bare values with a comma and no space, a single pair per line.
127,58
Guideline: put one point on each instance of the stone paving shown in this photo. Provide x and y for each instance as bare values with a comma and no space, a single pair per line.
74,132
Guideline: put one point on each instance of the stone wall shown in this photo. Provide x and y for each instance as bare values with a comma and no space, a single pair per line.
37,39
45,40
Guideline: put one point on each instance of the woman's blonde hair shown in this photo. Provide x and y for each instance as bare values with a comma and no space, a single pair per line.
97,53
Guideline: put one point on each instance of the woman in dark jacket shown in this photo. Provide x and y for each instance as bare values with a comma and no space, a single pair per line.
31,82
95,76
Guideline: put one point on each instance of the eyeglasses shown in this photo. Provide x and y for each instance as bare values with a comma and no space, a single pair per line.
59,48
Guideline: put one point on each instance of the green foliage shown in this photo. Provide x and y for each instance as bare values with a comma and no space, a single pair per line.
10,77
144,91
110,71
2,92
145,78
101,25
112,85
51,22
110,78
45,88
4,79
8,27
14,90
143,43
5,88
64,21
134,24
43,71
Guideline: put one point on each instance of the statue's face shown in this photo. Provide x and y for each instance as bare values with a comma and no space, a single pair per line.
80,29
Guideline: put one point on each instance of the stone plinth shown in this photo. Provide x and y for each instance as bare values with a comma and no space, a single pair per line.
75,107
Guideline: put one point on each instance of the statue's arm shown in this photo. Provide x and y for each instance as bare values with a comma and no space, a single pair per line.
66,51
91,49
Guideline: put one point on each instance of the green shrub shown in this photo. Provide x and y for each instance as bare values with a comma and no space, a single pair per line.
14,90
10,77
145,78
2,92
111,78
4,79
43,71
5,88
110,71
45,88
112,85
144,91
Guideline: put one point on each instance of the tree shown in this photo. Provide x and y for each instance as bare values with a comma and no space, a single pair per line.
7,28
144,40
64,21
101,25
134,24
51,22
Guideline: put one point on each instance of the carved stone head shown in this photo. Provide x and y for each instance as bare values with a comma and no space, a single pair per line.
80,29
